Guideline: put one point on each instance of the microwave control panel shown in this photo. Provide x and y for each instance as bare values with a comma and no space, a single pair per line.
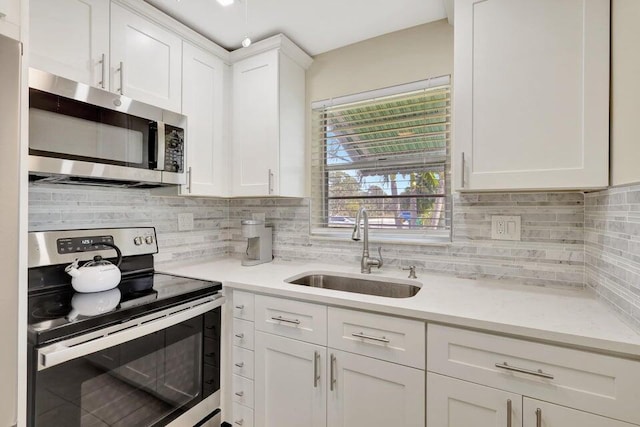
173,149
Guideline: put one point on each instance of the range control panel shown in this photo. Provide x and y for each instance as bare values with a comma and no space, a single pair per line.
83,244
63,246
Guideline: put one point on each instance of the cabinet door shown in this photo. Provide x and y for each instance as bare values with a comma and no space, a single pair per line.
255,125
203,104
366,392
290,382
456,403
558,416
531,94
146,60
70,38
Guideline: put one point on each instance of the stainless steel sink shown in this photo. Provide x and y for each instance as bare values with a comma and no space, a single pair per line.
383,287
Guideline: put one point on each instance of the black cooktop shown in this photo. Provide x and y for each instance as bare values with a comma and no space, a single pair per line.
56,313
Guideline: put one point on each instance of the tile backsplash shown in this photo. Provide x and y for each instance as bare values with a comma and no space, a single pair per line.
551,251
568,239
59,207
612,248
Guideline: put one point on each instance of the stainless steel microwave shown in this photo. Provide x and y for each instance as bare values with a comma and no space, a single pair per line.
82,134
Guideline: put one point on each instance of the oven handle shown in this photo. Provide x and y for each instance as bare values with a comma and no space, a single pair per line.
70,349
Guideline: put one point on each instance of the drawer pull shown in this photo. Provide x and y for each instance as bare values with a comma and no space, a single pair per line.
332,380
240,307
240,365
240,336
239,422
508,412
538,417
369,337
239,393
316,363
284,319
537,373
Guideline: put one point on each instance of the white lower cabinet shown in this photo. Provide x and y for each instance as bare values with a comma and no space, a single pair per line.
477,379
456,403
537,413
300,382
290,382
366,392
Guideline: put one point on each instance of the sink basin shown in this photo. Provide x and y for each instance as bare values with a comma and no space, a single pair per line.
379,286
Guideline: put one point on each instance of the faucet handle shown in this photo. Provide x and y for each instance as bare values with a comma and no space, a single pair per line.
412,271
380,255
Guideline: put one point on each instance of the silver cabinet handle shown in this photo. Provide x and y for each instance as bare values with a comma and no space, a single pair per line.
239,393
240,336
508,412
239,365
270,182
538,417
284,319
121,70
537,373
332,381
189,175
316,365
102,63
462,185
239,422
240,307
369,337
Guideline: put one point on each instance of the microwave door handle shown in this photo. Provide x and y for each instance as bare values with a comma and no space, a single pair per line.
160,147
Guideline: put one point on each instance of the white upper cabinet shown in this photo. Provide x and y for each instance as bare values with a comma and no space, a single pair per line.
268,151
70,38
203,102
146,60
10,18
531,104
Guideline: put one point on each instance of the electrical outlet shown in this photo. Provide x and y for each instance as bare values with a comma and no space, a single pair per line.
505,227
185,222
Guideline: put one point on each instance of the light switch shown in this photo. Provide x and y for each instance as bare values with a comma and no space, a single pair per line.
505,227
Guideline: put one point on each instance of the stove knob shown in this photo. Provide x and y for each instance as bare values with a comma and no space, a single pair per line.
149,240
137,240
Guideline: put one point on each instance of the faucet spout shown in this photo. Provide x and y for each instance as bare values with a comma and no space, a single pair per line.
367,261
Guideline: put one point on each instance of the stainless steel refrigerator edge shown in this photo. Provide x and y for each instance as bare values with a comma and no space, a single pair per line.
10,63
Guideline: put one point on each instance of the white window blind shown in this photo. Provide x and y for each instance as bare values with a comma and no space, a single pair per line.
388,151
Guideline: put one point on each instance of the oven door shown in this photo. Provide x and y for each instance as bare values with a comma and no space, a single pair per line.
145,374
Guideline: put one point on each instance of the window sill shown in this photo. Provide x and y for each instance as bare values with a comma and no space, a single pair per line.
443,239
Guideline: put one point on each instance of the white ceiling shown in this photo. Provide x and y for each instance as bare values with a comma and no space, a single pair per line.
315,25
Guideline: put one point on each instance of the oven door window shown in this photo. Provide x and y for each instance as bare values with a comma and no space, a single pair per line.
145,382
69,129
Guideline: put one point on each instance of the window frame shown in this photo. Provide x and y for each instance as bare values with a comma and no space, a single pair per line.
320,174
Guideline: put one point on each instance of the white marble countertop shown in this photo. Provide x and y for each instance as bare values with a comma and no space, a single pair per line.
565,316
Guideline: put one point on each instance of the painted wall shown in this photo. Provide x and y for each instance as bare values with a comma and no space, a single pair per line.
625,92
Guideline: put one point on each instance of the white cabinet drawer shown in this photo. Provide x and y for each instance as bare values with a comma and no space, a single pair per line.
242,416
242,390
243,334
388,338
294,319
243,362
243,305
592,382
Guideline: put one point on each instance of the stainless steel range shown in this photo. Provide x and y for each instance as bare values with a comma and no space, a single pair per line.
145,353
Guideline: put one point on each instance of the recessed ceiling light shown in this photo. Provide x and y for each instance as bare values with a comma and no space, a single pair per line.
225,2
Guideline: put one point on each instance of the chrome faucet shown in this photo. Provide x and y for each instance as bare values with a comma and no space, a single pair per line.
367,262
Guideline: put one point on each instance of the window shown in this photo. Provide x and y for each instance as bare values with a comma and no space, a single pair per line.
386,150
